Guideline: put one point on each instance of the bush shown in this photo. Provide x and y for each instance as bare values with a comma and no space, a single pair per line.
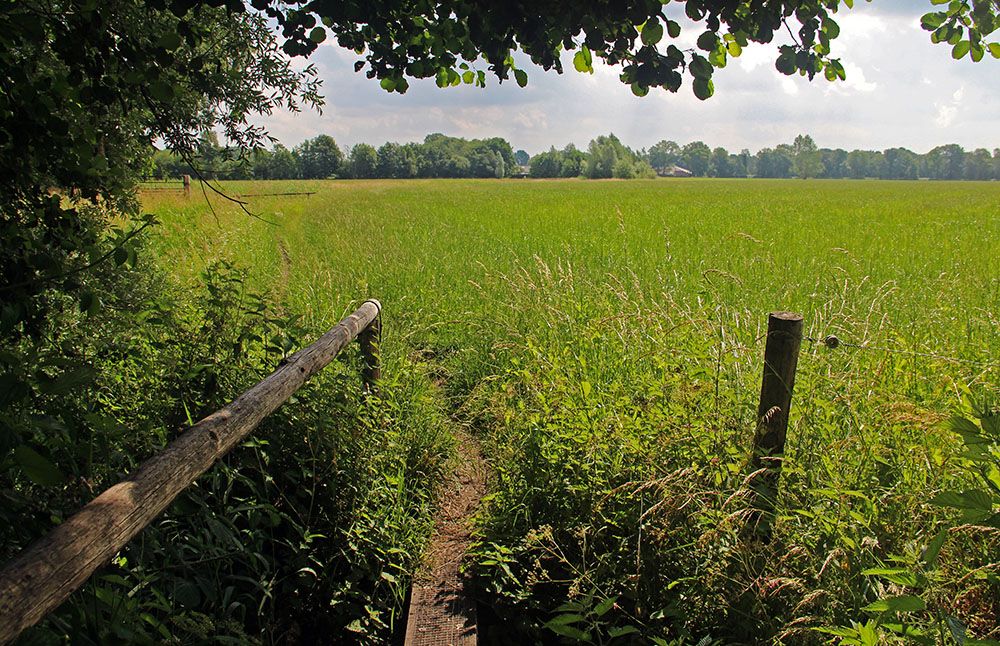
310,528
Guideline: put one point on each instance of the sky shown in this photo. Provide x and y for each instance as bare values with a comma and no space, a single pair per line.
901,90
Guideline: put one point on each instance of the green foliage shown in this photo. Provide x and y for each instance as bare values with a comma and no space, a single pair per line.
311,527
362,163
448,40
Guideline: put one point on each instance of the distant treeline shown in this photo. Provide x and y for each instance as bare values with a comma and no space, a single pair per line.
605,157
321,158
802,158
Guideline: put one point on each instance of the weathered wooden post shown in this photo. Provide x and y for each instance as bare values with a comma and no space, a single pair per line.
781,356
187,185
369,341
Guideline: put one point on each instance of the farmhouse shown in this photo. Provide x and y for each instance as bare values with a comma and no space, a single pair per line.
673,171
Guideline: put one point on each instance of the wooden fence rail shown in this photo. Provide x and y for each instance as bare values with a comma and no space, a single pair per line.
42,576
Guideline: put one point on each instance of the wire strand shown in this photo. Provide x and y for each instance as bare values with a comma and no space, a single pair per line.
833,342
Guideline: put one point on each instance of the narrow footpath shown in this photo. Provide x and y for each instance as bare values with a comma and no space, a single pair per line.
441,613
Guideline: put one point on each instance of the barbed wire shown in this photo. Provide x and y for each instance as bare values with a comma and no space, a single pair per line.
833,342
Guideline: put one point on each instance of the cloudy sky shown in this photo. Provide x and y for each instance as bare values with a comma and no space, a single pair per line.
901,90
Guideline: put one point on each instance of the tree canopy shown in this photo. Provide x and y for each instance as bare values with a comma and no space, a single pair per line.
447,39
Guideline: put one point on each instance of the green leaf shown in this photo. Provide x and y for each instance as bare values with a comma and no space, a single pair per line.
707,40
703,89
468,77
960,49
786,61
904,603
441,78
831,28
317,35
169,41
521,77
700,68
388,84
652,33
583,60
622,631
561,626
38,469
67,381
933,20
972,500
673,28
898,575
995,49
639,90
603,607
161,91
933,548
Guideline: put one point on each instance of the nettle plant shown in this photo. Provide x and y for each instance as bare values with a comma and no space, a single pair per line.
914,607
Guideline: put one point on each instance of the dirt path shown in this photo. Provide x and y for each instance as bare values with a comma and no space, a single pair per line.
441,613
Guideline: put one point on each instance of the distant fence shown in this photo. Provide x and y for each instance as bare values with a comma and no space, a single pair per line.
42,576
183,184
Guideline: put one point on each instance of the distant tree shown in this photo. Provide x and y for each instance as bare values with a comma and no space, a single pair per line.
945,162
743,163
862,164
319,157
901,163
260,163
396,161
167,165
978,165
663,154
834,163
806,160
722,164
996,163
484,162
521,158
547,164
501,147
697,158
774,162
281,164
603,155
363,162
573,162
624,168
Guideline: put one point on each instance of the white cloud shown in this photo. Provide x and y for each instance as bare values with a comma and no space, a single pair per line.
945,115
789,86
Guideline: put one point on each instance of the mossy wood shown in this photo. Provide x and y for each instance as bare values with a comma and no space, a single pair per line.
42,576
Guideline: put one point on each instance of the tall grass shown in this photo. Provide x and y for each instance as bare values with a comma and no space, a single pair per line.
605,340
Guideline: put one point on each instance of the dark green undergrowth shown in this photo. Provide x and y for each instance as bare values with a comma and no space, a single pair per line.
304,534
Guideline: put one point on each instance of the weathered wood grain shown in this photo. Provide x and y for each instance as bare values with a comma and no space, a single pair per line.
781,358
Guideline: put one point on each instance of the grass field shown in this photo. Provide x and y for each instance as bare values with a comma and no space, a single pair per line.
603,340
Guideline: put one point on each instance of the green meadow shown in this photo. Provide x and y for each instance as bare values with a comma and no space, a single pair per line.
603,342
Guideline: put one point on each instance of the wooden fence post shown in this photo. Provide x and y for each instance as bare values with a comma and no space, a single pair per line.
369,341
781,356
187,185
